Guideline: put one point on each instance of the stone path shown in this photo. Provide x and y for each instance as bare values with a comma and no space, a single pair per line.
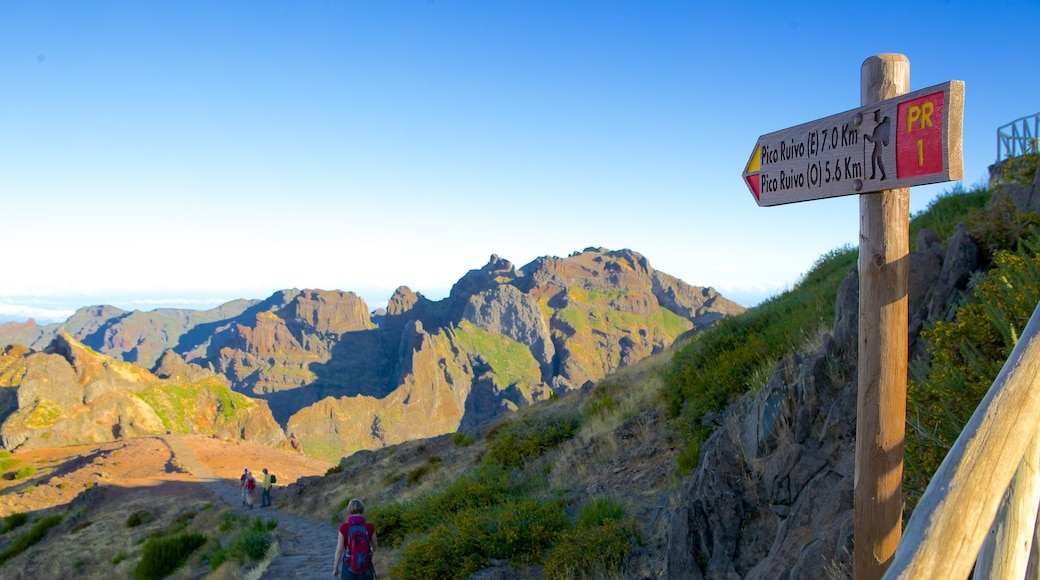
307,546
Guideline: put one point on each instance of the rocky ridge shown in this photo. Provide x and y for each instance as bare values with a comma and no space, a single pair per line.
339,379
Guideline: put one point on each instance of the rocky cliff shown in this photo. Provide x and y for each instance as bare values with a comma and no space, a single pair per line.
773,494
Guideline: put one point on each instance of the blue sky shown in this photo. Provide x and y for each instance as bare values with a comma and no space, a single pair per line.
157,154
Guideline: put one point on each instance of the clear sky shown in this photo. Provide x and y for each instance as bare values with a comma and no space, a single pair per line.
157,154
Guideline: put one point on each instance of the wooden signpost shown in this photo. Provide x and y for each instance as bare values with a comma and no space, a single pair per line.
895,140
898,142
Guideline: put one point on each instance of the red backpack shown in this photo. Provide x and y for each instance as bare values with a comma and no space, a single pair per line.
250,483
358,553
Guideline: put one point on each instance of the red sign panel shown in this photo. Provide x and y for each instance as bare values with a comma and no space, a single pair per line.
919,136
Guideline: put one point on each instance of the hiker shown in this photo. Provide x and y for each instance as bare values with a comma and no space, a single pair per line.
265,495
242,485
248,485
355,546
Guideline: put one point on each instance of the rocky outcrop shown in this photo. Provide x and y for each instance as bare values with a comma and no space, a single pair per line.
327,313
171,366
70,394
773,494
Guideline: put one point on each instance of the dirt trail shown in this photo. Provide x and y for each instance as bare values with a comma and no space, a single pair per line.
307,545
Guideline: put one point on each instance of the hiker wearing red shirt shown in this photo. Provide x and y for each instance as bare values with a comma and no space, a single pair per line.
355,545
248,484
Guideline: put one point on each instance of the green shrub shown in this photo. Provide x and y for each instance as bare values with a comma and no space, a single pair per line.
1021,169
251,541
602,404
138,518
8,462
334,469
13,521
443,554
24,472
162,555
34,535
261,525
250,545
966,356
485,487
519,531
217,556
230,520
591,552
529,437
599,511
460,439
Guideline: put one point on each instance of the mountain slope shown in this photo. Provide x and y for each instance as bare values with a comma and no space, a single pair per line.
339,379
68,394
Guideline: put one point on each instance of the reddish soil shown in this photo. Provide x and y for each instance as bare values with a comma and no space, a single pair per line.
139,465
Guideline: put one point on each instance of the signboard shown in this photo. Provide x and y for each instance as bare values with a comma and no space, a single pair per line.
912,139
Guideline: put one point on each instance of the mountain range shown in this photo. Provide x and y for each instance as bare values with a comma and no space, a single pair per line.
320,371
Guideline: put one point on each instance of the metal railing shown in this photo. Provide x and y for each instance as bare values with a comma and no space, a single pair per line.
1019,137
980,509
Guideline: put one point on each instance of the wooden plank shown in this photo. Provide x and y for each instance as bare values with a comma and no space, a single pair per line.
950,522
883,323
1005,553
912,139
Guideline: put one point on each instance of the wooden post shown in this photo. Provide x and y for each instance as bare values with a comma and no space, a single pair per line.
883,325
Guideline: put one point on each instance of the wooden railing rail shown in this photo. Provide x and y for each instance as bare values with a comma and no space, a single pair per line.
956,512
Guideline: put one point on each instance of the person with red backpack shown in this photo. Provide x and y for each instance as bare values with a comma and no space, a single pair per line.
355,545
248,485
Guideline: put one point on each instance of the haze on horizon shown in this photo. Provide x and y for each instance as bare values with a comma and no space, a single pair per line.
185,154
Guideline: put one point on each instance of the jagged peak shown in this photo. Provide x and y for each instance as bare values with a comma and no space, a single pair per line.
91,365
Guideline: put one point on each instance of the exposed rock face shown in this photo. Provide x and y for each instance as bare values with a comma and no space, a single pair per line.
431,399
70,394
773,494
502,339
505,310
327,313
171,366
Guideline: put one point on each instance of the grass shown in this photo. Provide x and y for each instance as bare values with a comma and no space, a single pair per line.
30,538
717,366
41,414
177,405
528,437
161,556
7,463
249,541
511,361
13,522
24,472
